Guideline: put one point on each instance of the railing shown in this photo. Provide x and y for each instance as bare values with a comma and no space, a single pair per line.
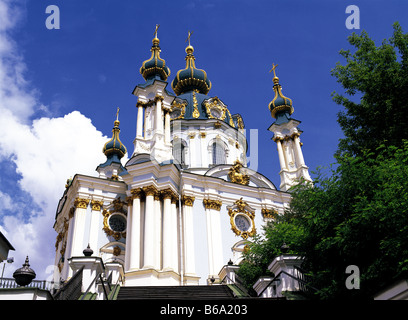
236,282
11,283
72,289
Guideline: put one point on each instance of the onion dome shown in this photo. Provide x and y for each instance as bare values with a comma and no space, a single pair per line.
114,146
280,103
24,275
155,67
191,78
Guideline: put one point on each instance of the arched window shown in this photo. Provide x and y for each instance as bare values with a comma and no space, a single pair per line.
179,152
218,153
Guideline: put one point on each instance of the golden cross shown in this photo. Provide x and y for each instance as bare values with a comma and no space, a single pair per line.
188,38
117,114
155,31
273,68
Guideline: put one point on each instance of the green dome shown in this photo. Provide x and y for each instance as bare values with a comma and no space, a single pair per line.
191,78
155,67
280,103
114,146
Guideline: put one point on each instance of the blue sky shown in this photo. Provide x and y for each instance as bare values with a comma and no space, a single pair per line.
59,89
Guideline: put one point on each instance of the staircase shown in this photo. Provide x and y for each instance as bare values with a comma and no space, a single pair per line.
216,292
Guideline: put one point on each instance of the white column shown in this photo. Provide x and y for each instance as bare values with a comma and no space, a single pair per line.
188,230
133,232
280,153
79,227
167,127
149,228
157,231
139,129
158,115
167,256
174,235
95,224
215,256
298,150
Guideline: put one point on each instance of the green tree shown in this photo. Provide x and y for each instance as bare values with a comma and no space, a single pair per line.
376,81
356,213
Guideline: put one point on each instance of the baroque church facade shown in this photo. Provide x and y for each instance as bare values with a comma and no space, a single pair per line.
185,203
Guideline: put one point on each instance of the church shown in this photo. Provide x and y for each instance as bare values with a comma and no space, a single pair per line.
186,204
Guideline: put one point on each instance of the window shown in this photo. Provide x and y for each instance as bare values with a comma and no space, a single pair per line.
218,153
179,153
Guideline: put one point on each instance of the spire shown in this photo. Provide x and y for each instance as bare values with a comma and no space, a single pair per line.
191,78
155,67
280,105
114,146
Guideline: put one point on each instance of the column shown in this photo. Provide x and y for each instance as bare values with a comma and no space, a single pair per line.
139,129
149,227
167,127
280,153
158,115
174,234
157,231
95,224
79,227
299,154
167,256
188,230
133,231
215,256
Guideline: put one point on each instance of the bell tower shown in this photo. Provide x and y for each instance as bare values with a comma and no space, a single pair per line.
153,105
286,136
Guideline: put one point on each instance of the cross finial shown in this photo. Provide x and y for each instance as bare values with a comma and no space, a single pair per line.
155,31
117,114
273,68
188,38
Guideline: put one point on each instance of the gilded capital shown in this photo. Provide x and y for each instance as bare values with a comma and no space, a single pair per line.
96,205
150,190
136,193
187,200
269,213
212,204
81,203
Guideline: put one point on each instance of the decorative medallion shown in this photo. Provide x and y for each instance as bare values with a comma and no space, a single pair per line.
114,219
236,176
242,219
177,110
215,109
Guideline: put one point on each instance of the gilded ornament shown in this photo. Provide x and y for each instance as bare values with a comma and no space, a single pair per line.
212,204
136,193
81,203
241,208
117,251
150,190
187,200
96,205
269,213
236,176
196,113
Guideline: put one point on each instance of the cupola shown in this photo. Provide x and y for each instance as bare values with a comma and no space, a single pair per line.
280,104
191,78
155,67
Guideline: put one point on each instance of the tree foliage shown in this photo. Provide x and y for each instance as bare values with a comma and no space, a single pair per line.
379,77
357,212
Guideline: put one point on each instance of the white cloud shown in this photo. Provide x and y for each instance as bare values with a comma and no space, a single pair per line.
45,152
